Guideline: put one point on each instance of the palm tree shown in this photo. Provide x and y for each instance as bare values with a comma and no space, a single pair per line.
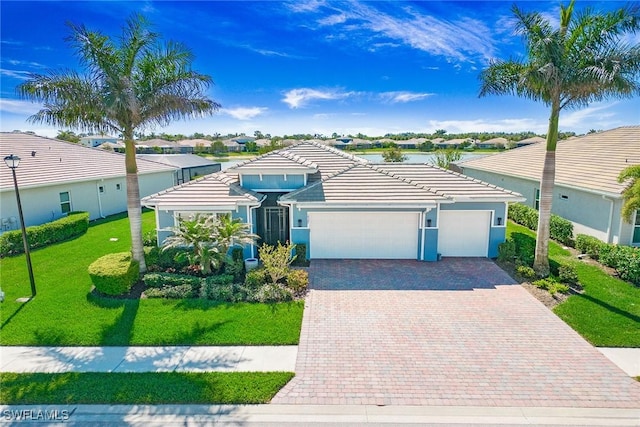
632,193
232,232
196,233
586,59
131,83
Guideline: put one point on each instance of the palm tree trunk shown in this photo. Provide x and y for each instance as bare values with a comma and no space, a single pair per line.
134,208
541,262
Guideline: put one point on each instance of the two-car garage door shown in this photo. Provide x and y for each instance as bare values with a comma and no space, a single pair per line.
364,235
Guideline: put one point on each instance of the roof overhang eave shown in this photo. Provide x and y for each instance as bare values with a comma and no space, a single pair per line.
389,205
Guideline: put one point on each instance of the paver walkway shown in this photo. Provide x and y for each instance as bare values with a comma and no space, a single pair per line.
451,344
148,359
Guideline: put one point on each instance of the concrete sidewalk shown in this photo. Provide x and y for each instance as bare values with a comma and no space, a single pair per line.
148,359
311,415
627,359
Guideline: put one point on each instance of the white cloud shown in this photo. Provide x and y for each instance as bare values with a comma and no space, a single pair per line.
244,113
481,125
297,98
305,6
459,39
402,96
16,106
17,74
589,117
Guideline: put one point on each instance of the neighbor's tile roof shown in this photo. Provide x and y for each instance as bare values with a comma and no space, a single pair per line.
592,162
178,160
448,183
58,161
215,190
365,184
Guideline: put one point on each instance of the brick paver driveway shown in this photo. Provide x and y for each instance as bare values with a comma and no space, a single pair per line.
442,340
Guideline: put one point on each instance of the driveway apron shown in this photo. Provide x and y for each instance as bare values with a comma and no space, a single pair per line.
455,332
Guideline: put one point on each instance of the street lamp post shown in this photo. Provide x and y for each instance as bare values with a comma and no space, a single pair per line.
12,162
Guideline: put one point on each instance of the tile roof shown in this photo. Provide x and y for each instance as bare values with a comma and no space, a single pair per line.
178,160
215,190
590,162
280,160
365,184
58,161
449,183
328,159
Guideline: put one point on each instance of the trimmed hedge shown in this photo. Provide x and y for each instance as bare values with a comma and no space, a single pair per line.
589,245
74,224
560,229
159,280
114,274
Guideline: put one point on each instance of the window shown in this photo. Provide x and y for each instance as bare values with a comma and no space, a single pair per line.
65,202
564,197
636,230
118,187
101,188
536,201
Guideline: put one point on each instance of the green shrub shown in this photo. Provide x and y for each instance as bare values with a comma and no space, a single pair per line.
150,238
74,224
298,281
172,292
556,287
567,274
560,229
160,280
171,258
507,251
526,271
234,268
543,283
609,255
220,279
300,251
255,278
525,248
273,292
627,264
114,274
589,245
276,260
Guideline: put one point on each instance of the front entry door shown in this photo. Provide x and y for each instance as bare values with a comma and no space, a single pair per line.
275,225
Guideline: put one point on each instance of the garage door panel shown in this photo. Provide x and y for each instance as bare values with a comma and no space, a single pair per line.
364,235
464,233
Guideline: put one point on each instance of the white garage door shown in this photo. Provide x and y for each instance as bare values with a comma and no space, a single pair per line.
464,233
364,235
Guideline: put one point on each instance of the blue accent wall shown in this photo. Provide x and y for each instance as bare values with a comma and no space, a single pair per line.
430,245
272,182
497,235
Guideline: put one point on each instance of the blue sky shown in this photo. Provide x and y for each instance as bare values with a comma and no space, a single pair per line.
313,66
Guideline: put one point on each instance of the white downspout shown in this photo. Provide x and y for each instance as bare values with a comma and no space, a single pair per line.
251,224
99,199
610,225
423,220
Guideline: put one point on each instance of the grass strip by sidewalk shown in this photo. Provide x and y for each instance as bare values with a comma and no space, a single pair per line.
607,314
141,388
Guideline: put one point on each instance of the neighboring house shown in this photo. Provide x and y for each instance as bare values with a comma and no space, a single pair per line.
189,166
341,206
529,141
155,145
56,177
193,146
498,142
586,188
96,140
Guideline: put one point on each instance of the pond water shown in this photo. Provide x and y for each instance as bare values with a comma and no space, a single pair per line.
373,158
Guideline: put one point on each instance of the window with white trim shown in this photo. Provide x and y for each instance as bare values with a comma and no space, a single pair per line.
65,202
636,229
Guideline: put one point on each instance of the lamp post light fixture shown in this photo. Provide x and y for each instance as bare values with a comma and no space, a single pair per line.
13,162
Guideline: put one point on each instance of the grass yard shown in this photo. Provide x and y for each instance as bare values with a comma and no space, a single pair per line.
607,314
141,388
64,312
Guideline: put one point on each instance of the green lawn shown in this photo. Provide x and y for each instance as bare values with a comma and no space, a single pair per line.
141,388
64,311
607,314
